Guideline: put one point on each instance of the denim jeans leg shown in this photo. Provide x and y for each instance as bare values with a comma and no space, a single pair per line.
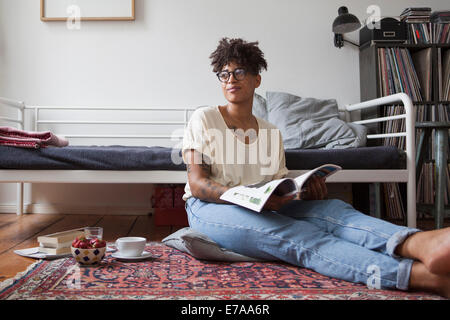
345,222
270,235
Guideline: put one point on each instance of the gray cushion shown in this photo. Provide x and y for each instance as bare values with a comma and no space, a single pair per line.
311,123
201,246
259,107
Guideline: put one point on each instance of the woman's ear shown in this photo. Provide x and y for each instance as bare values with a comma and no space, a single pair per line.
258,81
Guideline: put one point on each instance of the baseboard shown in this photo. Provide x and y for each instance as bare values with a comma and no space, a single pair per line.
74,209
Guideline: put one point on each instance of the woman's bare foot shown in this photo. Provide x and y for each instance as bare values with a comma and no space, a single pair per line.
422,279
430,247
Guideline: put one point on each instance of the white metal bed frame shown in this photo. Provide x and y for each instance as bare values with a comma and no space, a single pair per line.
377,176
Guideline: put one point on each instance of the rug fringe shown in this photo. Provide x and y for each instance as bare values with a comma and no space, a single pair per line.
8,282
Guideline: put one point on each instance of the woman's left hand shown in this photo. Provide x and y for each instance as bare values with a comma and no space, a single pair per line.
315,189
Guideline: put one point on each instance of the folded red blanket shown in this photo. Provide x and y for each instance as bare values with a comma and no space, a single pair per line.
28,139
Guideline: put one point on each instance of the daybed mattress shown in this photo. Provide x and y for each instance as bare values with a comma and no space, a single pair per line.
159,158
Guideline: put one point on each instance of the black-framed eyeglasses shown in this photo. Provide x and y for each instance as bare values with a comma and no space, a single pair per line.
238,74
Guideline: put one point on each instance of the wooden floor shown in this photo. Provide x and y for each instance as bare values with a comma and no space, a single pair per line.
20,232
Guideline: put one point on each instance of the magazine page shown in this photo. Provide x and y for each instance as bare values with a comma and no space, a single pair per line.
323,171
254,196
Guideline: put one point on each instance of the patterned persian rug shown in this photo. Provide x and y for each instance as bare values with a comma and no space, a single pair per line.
172,274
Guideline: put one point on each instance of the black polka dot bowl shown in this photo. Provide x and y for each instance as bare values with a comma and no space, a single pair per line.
88,256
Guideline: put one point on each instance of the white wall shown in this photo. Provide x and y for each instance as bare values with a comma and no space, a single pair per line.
161,59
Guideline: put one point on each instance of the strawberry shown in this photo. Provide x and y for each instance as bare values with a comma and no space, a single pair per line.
101,244
83,245
97,243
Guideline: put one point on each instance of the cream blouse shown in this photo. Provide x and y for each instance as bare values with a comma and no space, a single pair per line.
233,162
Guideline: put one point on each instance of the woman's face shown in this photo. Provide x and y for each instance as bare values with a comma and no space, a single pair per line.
239,91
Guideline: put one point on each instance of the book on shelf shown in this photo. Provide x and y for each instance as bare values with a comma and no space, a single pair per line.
398,74
255,196
441,33
393,201
422,63
447,194
444,78
427,182
61,237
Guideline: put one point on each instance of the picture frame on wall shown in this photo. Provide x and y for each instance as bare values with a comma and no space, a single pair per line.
88,10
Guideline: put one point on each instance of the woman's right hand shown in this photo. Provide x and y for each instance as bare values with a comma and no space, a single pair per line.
276,202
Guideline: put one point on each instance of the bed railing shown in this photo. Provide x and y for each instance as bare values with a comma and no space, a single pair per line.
19,105
409,134
39,121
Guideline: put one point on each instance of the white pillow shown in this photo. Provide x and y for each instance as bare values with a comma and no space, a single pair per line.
202,247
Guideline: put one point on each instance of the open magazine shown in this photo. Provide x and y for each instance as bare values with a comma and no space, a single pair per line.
254,196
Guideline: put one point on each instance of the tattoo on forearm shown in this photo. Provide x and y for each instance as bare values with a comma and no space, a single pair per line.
208,189
211,190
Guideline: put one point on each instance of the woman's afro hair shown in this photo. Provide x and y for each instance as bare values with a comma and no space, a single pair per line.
245,54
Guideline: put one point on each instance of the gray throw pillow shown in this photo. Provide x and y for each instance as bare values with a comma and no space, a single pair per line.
202,247
310,123
259,107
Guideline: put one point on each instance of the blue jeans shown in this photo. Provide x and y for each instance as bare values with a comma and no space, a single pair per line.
327,236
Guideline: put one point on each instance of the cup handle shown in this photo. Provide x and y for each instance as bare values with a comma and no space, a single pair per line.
117,247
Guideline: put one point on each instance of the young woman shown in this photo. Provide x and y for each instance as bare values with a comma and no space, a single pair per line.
328,236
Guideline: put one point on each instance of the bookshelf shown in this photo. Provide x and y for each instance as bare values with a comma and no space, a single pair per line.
419,71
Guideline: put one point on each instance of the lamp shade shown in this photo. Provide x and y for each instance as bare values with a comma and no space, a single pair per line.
345,22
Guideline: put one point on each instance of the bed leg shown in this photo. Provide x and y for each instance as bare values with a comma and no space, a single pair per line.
19,201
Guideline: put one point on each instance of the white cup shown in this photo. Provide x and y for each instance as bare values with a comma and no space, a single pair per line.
131,246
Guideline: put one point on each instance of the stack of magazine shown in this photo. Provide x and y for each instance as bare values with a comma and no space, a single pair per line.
418,24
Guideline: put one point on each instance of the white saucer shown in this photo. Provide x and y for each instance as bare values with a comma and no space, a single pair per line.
144,255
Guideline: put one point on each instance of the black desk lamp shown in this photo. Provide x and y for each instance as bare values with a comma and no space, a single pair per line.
344,23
